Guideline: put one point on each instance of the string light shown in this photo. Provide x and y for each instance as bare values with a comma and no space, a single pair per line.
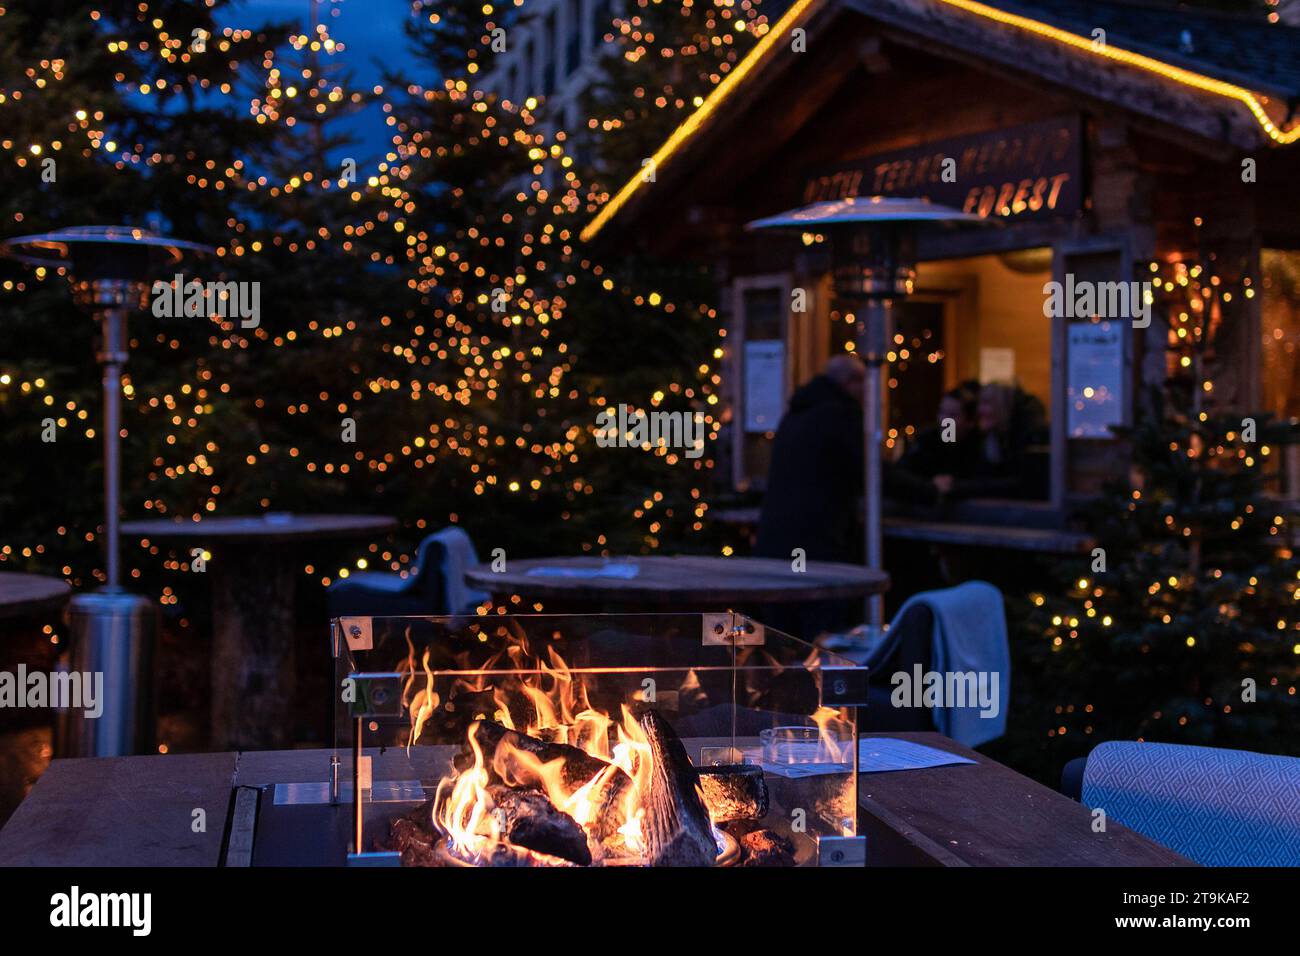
387,207
803,10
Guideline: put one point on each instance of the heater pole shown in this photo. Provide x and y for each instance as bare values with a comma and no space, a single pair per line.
873,339
112,356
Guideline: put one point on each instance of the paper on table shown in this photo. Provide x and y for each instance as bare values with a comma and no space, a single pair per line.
621,570
875,755
879,754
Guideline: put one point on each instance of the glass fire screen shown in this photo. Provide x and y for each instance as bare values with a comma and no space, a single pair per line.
593,740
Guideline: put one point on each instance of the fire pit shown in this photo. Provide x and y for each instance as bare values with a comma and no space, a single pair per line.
594,740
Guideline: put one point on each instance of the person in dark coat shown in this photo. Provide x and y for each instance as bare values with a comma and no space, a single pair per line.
942,455
815,482
1011,424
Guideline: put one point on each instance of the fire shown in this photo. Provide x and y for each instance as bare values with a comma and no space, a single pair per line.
557,767
606,803
836,734
463,810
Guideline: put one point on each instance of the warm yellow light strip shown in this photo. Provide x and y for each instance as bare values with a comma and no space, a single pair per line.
692,122
1186,77
727,86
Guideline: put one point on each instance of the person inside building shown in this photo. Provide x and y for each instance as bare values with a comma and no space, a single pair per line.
1012,432
815,483
942,455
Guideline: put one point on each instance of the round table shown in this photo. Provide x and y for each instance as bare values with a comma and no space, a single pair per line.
22,595
254,577
681,582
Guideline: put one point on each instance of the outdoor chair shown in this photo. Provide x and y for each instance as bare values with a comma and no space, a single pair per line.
905,644
435,584
1215,806
951,630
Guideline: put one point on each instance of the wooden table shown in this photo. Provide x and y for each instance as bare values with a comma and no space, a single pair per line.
987,815
969,815
682,582
22,595
254,577
963,534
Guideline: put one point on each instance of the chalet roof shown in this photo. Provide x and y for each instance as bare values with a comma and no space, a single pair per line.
1222,81
1237,47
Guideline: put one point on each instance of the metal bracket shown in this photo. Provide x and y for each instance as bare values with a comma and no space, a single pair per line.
841,851
376,858
727,629
376,695
844,686
358,633
720,756
243,826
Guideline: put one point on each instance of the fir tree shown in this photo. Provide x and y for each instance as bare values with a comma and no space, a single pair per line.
1182,626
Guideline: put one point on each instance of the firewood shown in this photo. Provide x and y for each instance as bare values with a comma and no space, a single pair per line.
766,848
579,766
528,819
609,797
734,792
412,836
413,842
675,828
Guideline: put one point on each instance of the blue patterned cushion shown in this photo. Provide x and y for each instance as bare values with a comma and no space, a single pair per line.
1217,807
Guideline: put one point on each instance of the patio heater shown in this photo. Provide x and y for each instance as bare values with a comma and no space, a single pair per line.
112,269
873,265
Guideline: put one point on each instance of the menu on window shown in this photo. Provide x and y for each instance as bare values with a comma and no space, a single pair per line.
764,379
1095,384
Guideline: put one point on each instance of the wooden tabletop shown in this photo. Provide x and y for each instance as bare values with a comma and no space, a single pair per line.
1050,540
681,580
122,811
136,811
269,527
986,814
22,594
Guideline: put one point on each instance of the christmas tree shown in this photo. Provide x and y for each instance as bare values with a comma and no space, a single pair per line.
662,58
112,113
434,343
1182,626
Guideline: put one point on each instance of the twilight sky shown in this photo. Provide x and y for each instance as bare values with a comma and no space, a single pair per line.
371,31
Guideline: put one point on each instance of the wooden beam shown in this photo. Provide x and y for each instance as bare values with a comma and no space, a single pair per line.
981,42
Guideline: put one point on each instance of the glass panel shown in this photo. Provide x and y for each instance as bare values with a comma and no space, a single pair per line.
763,378
971,348
1280,352
561,739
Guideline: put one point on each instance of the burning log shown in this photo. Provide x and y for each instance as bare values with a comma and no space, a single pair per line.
412,836
734,792
675,827
767,848
609,796
578,767
528,819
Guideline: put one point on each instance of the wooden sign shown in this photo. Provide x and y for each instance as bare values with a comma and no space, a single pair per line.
1032,171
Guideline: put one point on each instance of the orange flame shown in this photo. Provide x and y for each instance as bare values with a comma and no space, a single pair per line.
608,805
